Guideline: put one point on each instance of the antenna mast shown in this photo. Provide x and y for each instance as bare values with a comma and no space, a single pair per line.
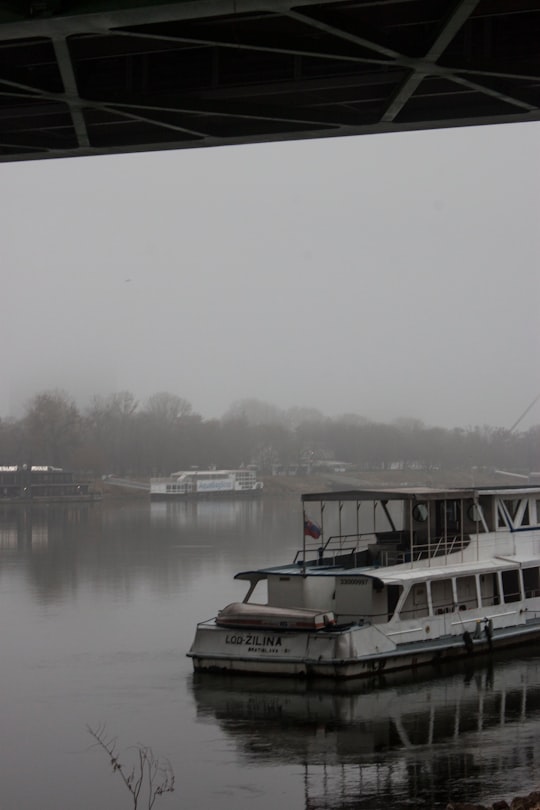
524,414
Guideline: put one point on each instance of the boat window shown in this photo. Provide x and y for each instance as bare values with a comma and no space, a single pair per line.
511,586
512,507
420,512
466,593
259,594
489,590
416,604
478,516
486,506
448,517
531,582
503,517
474,513
515,513
393,594
442,597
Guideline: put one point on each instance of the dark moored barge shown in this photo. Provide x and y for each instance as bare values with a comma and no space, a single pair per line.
22,483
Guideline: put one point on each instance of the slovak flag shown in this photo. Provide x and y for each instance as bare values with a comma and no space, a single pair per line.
311,529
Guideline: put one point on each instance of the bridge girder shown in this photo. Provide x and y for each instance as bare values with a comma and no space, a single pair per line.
98,77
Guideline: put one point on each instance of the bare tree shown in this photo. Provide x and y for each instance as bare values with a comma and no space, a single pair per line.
112,430
51,428
147,779
168,408
255,412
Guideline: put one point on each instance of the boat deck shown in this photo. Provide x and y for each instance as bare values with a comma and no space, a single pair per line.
403,571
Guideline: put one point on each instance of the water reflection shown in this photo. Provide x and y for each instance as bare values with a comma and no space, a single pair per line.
399,742
206,513
27,528
116,546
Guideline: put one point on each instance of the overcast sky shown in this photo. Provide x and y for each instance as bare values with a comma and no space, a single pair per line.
389,275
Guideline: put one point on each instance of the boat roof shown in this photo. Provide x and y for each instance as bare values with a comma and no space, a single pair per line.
211,472
419,493
396,573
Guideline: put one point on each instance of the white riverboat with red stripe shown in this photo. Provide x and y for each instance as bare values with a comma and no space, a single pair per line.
388,579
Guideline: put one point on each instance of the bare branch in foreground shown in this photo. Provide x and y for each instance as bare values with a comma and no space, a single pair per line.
148,775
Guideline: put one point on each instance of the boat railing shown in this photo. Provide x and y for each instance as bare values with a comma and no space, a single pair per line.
377,548
448,545
438,547
334,550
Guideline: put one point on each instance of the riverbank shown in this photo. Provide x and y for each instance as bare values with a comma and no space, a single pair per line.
283,486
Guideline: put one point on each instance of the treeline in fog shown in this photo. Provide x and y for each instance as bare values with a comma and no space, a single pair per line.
118,434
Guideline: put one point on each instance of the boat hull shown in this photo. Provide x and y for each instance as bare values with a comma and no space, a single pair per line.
202,496
335,654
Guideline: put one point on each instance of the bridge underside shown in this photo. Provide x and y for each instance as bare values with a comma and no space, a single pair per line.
85,77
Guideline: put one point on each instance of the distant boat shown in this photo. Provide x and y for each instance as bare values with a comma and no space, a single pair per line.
424,575
198,483
22,483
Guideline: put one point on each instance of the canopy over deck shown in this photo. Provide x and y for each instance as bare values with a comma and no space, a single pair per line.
417,494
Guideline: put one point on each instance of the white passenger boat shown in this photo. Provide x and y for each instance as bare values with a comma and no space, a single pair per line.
197,483
386,580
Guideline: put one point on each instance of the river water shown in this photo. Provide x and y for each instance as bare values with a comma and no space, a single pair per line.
98,606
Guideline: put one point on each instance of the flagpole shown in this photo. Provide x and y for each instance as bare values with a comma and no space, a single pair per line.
303,540
322,531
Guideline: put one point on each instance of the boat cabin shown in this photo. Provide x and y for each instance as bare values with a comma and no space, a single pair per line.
408,554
